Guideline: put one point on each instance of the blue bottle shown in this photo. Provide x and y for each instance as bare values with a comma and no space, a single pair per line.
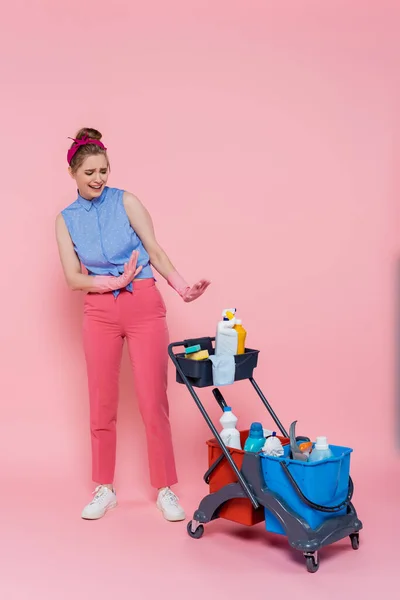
256,439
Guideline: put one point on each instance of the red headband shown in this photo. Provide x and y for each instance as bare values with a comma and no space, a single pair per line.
82,142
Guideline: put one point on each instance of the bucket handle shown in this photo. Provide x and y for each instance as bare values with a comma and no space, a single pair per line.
208,473
327,509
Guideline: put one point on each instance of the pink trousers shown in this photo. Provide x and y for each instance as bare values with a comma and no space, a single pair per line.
140,317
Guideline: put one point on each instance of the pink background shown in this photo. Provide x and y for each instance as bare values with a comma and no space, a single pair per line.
262,136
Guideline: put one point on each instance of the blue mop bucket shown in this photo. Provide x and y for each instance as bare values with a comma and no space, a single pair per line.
308,487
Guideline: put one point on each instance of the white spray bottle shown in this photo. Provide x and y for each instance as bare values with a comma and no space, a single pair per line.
226,339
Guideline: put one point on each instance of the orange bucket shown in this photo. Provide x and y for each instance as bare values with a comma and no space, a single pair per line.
239,510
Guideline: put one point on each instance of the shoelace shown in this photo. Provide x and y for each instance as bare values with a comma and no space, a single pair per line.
171,497
99,493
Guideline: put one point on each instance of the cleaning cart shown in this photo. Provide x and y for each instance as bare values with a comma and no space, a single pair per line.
309,503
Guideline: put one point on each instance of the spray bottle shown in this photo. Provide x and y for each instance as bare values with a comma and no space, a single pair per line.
241,336
226,339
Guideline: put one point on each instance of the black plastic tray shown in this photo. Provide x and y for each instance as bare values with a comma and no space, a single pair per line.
199,372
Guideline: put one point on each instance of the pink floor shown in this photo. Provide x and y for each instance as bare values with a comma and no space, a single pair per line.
47,551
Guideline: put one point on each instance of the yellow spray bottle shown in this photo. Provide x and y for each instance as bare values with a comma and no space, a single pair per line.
240,331
241,336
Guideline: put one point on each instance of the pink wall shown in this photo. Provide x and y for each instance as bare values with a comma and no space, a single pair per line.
262,140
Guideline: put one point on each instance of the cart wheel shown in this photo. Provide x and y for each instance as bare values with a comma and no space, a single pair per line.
355,540
197,533
311,563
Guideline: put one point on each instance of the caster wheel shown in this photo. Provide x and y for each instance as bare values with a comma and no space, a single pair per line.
197,533
355,541
312,564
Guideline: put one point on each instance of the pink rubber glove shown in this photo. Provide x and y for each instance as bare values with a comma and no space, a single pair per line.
184,290
109,283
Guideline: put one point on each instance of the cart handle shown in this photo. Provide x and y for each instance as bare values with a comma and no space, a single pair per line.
327,509
203,341
219,398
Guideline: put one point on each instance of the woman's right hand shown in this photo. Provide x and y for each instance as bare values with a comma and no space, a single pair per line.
131,270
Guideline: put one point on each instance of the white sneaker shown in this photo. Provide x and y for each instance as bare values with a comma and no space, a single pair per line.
169,505
104,499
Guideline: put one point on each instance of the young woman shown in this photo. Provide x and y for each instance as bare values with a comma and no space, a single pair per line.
111,233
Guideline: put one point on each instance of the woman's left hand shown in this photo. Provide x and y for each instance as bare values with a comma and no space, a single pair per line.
194,292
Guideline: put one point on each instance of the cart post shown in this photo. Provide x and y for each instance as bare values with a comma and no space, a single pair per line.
209,422
269,408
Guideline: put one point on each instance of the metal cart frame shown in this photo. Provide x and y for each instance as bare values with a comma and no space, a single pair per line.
250,484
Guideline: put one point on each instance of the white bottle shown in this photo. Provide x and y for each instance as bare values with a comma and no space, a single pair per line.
229,434
226,339
321,450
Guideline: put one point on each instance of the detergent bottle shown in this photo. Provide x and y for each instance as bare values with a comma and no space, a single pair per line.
321,450
241,336
229,434
226,339
256,439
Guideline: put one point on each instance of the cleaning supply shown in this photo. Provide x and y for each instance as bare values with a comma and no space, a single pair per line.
223,369
199,355
240,330
241,336
298,452
273,446
192,349
256,439
229,434
321,450
306,448
226,339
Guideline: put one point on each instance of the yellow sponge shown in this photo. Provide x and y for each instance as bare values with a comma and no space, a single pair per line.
200,355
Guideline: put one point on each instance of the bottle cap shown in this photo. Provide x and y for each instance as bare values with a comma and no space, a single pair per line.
256,430
227,409
321,443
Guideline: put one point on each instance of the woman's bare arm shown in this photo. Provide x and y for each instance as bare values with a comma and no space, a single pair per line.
86,283
71,265
142,223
